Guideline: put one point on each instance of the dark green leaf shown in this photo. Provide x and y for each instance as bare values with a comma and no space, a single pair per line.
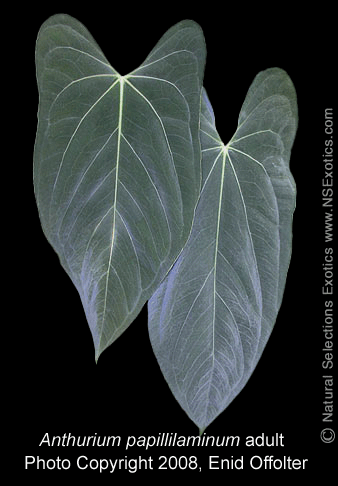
116,165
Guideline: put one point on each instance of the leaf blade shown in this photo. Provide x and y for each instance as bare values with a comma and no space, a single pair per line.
210,319
112,195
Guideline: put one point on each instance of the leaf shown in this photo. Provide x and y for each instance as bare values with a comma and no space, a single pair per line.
116,165
210,319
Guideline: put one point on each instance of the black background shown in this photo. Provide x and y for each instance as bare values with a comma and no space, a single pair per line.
55,385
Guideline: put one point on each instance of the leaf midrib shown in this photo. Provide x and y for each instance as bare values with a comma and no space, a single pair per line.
119,134
123,80
224,151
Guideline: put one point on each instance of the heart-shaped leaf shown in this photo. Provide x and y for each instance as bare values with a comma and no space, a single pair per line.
210,319
116,165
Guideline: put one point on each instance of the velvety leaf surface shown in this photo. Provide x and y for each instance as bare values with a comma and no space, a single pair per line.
210,319
116,165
